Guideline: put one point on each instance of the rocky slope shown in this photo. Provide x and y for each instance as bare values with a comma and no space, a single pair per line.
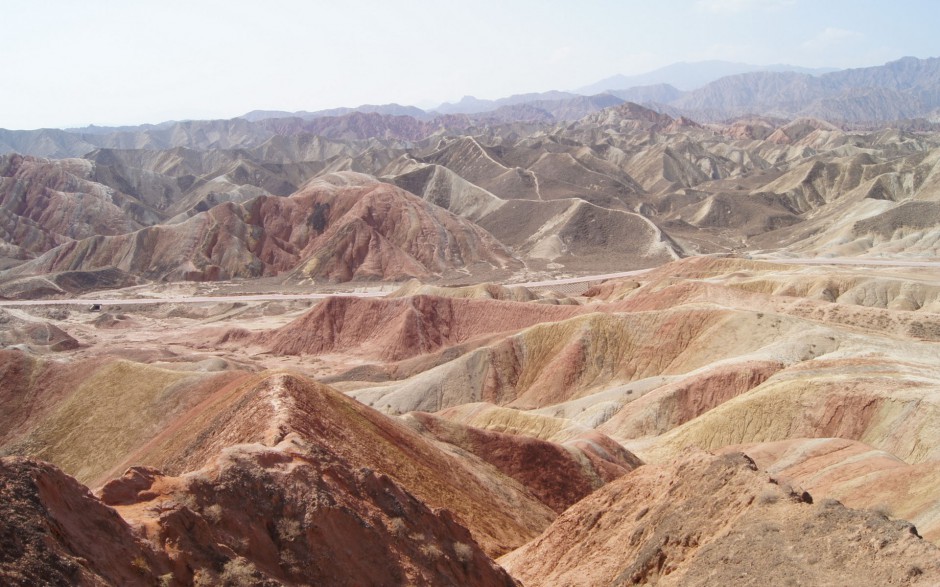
208,527
184,418
558,474
856,474
54,531
705,520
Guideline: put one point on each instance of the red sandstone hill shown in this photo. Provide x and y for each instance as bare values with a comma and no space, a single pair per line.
338,228
298,513
235,500
500,513
399,328
558,474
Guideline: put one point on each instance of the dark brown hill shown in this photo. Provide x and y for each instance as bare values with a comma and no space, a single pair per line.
53,531
297,514
559,475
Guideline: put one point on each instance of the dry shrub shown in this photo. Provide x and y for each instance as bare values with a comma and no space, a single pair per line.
464,552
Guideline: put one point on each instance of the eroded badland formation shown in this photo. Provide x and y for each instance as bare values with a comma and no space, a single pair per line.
758,403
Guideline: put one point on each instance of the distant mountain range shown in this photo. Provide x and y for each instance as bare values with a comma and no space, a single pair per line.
690,76
469,104
906,89
677,77
389,109
712,91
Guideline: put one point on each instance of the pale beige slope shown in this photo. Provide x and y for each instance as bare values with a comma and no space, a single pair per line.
810,293
564,361
572,208
861,205
886,403
696,268
561,175
488,416
851,286
588,236
466,157
664,168
838,364
745,214
491,291
688,397
442,187
557,362
862,353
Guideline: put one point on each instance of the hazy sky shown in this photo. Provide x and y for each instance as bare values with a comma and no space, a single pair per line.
72,63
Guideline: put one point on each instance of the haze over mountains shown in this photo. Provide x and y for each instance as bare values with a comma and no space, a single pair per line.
691,76
556,339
